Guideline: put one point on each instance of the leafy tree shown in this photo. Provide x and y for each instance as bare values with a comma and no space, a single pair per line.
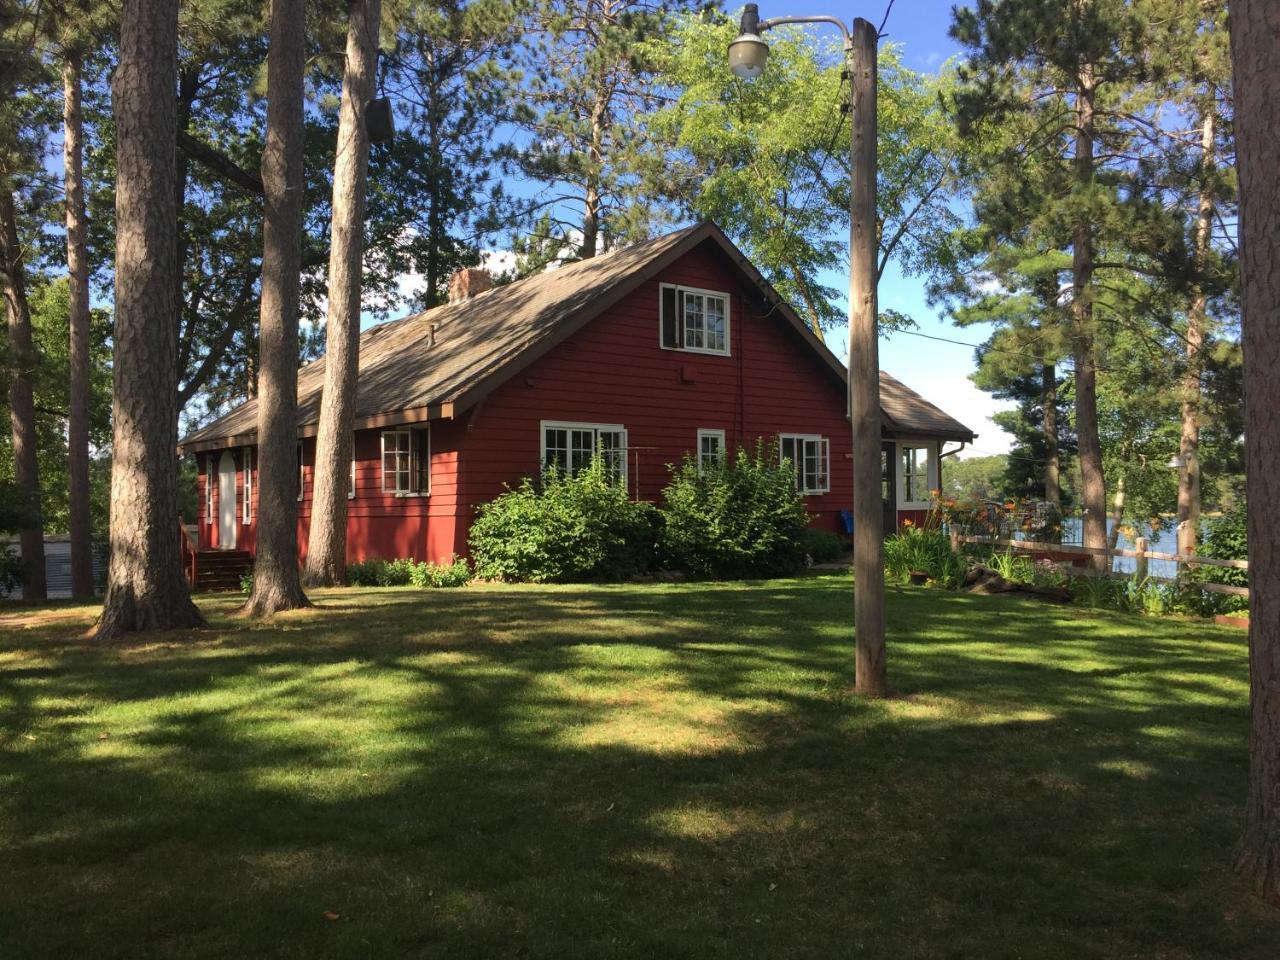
978,478
50,306
769,161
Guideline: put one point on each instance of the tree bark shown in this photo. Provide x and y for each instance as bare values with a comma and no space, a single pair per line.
22,409
327,542
871,674
78,322
1255,24
1093,491
146,589
1189,443
1049,400
276,585
1117,515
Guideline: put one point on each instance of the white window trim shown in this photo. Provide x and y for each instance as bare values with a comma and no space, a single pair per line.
302,473
351,486
728,321
805,438
931,473
382,461
246,464
208,489
546,425
710,432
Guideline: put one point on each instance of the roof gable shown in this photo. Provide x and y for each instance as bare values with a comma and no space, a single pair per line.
440,362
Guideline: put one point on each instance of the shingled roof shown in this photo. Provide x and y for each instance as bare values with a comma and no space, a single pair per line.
440,362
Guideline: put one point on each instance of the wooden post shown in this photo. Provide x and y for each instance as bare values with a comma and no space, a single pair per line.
864,371
955,540
1140,568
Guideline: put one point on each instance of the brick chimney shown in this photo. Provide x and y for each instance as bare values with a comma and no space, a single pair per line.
467,282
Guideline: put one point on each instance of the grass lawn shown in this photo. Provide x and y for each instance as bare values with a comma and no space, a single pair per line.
634,771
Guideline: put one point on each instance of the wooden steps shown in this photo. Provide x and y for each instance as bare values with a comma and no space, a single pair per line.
221,569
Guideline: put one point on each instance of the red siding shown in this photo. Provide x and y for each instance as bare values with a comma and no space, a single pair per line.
613,371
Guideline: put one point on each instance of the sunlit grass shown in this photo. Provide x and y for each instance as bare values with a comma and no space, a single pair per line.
624,771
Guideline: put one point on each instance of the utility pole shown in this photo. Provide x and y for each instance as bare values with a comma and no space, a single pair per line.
748,55
864,371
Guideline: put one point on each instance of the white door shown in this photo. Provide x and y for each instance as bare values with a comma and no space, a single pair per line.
227,501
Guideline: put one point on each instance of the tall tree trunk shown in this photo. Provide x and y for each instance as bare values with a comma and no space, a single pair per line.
1255,24
1189,444
78,276
22,408
327,542
1093,491
1049,401
146,589
276,585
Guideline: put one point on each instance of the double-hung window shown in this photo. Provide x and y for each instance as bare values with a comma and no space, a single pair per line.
570,447
810,456
915,473
710,449
406,462
694,320
248,484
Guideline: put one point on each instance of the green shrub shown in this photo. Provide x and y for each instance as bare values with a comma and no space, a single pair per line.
1227,538
454,574
742,519
403,572
821,546
246,581
563,529
925,550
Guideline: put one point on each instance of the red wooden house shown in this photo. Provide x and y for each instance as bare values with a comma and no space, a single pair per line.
673,346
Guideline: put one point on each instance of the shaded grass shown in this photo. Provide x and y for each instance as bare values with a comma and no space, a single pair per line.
638,771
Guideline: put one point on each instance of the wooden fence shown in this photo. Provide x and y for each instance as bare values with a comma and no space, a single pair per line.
1140,553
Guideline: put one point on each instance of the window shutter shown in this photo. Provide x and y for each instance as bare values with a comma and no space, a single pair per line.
670,319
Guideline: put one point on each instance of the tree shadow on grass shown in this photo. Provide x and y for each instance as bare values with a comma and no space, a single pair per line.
587,772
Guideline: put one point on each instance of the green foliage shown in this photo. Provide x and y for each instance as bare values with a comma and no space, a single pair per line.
246,582
1227,538
922,550
975,478
404,572
768,159
741,519
821,546
50,306
455,574
563,529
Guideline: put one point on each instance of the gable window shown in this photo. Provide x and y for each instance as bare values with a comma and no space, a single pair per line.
248,484
710,449
406,462
694,320
570,447
915,471
810,455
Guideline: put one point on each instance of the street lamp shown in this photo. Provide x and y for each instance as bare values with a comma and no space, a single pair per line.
748,55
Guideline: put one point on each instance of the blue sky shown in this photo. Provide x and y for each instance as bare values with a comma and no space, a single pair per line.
939,371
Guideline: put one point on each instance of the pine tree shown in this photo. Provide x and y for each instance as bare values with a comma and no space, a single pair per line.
1256,61
276,584
146,589
327,537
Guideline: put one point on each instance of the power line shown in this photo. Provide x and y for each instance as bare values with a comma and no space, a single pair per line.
887,10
